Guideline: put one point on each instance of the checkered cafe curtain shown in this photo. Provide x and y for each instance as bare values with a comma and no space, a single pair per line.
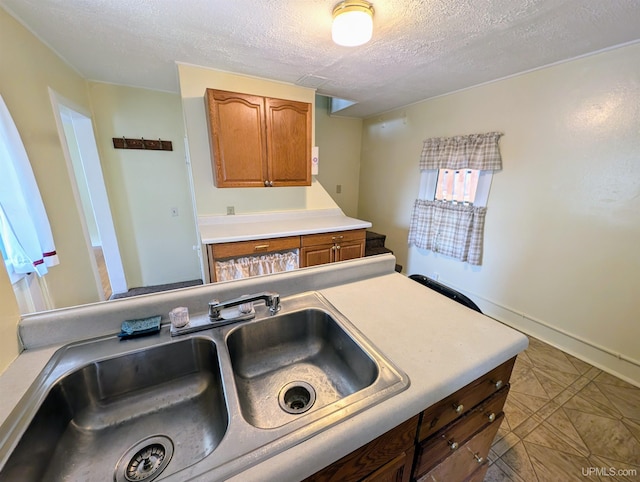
475,151
454,230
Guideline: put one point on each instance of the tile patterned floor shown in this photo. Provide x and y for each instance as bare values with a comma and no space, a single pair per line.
566,420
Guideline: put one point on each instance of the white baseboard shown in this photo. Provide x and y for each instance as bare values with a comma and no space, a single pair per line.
617,364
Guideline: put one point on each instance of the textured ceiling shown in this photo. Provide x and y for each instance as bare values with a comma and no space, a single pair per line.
420,48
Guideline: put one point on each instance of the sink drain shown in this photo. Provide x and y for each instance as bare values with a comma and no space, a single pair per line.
145,460
296,397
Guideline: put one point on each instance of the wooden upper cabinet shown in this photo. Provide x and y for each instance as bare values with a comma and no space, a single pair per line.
259,141
288,142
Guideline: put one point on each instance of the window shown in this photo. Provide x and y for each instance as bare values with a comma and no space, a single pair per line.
448,216
26,241
457,185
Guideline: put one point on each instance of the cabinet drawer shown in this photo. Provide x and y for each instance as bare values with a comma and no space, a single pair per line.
333,238
464,462
450,438
246,248
454,406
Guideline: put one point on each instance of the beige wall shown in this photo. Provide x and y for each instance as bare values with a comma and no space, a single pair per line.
339,140
144,186
563,221
211,200
27,70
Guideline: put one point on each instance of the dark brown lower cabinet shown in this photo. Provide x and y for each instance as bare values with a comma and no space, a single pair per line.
380,460
448,441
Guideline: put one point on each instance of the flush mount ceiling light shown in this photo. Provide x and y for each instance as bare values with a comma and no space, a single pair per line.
352,23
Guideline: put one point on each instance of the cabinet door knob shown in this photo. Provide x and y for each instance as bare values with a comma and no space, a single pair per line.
458,407
478,458
498,384
266,183
453,445
491,416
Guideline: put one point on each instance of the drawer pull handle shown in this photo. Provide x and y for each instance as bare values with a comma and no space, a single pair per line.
458,407
478,458
491,416
260,247
453,445
498,384
337,237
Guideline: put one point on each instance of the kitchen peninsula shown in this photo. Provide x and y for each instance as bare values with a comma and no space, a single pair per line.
440,345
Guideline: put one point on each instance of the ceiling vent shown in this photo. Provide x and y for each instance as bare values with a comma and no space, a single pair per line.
311,81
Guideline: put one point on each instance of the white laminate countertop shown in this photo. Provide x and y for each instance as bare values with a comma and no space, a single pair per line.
441,345
248,227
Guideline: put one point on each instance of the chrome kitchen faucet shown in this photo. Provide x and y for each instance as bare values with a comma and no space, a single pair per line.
271,299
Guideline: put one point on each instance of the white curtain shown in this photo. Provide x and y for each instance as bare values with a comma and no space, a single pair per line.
25,234
238,268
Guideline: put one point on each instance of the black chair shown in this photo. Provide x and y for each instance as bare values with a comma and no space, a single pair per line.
446,291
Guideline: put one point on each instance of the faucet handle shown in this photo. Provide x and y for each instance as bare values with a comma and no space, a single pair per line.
274,303
214,308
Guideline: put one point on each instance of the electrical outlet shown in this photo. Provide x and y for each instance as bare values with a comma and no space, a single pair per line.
338,188
174,212
231,210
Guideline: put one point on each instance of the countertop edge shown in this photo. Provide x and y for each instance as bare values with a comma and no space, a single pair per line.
255,227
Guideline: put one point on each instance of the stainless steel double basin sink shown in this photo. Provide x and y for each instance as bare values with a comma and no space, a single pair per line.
205,405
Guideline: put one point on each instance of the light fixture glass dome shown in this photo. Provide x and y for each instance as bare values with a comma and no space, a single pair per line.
352,23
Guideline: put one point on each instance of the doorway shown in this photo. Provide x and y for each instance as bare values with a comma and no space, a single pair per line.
75,129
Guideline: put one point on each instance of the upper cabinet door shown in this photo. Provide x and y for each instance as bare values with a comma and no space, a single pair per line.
238,140
288,142
259,141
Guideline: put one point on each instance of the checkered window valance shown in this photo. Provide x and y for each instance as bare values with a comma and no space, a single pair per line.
475,151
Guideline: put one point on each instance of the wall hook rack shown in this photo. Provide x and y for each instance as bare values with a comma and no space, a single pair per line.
142,143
